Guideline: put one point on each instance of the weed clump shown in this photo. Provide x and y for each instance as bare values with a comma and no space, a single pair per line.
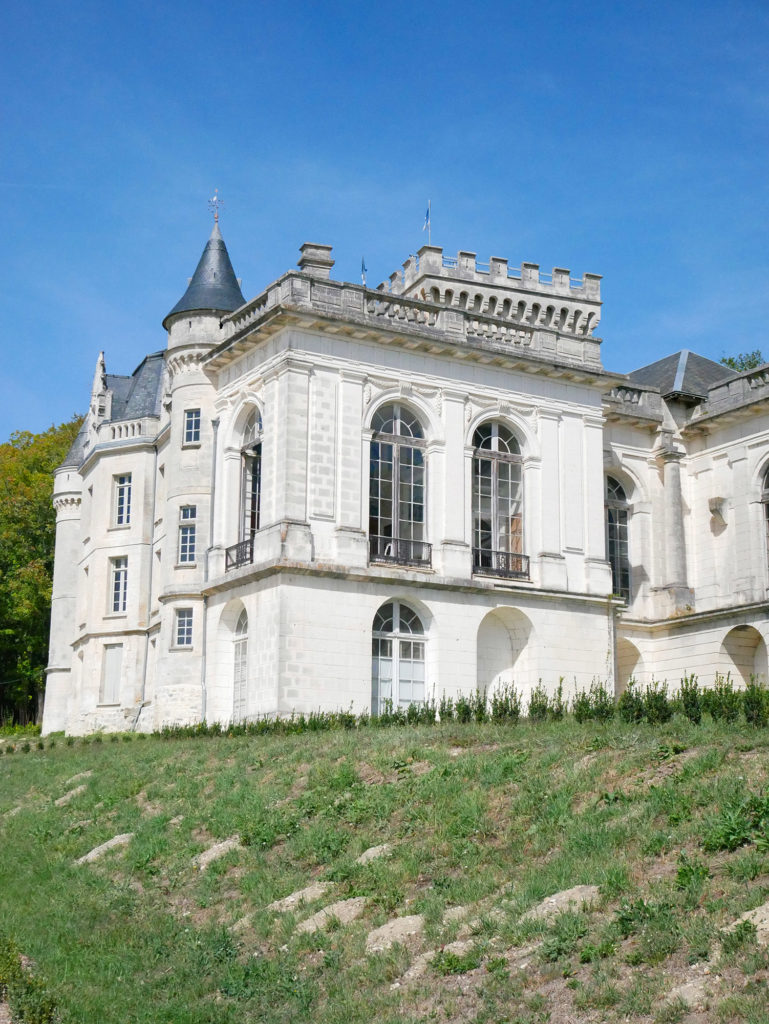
691,699
26,995
755,703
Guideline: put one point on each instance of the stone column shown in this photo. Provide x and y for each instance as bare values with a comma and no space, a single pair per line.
675,579
63,608
551,560
351,458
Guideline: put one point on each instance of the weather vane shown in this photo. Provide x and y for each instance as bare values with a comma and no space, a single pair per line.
214,203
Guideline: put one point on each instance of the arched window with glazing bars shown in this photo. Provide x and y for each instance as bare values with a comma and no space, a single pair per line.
250,492
397,485
397,658
617,549
240,669
765,504
498,502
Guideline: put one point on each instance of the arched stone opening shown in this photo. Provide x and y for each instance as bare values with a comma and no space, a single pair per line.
630,665
502,651
743,654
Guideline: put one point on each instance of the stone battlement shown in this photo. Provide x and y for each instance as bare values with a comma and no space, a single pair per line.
525,294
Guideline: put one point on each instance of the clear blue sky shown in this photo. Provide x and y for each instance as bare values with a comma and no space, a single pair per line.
626,139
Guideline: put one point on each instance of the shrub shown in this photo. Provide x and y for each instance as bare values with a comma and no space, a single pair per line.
724,701
463,708
755,703
538,703
506,704
691,699
446,708
478,705
631,703
657,707
557,706
601,702
581,706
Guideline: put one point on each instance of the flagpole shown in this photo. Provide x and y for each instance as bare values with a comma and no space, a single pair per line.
429,222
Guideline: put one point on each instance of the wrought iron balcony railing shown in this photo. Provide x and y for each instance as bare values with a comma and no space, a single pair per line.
239,554
400,552
501,563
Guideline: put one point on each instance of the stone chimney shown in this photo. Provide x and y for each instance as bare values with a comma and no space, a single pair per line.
316,260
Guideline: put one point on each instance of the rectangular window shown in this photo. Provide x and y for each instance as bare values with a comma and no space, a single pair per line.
191,426
187,517
122,500
119,584
183,627
111,668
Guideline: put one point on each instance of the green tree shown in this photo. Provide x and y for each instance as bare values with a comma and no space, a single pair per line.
744,360
27,537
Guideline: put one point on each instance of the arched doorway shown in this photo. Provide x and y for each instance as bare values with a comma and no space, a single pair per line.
397,657
240,669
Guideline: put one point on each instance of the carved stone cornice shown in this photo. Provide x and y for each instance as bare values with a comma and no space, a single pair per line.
185,362
67,503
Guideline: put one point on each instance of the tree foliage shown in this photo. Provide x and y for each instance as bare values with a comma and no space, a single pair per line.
744,360
27,536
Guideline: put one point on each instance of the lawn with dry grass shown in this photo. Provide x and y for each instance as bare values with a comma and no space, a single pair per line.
459,872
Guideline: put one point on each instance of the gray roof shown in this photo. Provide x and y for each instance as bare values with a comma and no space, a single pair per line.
77,449
683,373
213,287
138,395
132,398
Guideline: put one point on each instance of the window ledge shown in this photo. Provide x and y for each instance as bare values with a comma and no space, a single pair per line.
116,615
186,565
191,444
181,647
118,526
117,704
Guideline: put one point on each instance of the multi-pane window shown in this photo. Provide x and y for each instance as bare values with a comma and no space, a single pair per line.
251,477
111,668
397,480
119,591
183,630
240,674
498,501
397,658
122,499
617,537
765,502
187,524
191,426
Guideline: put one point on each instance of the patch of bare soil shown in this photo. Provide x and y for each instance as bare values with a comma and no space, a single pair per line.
399,929
299,785
146,805
311,892
5,1014
99,851
567,899
344,911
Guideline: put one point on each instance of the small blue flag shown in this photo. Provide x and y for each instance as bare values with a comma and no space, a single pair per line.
363,269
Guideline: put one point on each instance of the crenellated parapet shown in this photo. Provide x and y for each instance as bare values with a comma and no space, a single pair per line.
67,506
525,294
422,322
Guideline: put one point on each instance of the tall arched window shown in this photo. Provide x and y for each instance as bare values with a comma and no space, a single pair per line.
398,657
765,503
617,537
397,488
251,477
498,502
240,669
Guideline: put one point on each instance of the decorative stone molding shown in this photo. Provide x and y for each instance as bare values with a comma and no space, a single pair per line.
68,503
184,362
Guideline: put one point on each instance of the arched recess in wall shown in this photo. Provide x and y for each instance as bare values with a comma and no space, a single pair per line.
630,665
743,653
502,651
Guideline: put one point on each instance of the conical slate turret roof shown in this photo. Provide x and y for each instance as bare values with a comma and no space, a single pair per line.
213,287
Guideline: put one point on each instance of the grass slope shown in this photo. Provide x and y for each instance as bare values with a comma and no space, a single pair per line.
484,817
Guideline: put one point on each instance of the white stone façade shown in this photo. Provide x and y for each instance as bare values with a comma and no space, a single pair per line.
332,496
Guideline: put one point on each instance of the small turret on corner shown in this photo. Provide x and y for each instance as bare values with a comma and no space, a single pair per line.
212,292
